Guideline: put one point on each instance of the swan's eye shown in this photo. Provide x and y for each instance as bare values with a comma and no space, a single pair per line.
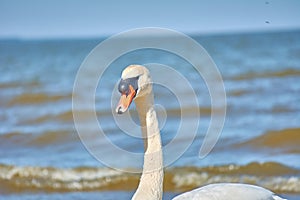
123,87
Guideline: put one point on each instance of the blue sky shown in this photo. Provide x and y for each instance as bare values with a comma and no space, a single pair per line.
94,18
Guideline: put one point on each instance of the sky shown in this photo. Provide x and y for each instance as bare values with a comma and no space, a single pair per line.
94,18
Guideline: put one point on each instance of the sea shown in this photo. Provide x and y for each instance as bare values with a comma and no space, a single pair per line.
42,155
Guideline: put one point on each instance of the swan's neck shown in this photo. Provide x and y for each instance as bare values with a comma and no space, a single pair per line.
151,182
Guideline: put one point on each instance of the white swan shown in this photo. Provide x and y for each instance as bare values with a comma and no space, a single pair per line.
136,85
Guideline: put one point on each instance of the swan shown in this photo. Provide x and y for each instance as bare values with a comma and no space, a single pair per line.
136,84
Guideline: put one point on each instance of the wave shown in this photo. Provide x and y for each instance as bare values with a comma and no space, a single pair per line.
37,140
12,85
67,116
14,179
287,140
284,141
35,98
267,74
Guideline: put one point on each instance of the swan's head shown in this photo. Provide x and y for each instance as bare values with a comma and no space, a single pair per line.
135,82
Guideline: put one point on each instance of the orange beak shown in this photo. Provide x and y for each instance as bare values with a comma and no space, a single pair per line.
125,100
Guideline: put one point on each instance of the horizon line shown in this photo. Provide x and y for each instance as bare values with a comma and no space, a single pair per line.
107,35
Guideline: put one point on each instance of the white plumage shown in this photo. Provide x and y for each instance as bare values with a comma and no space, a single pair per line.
228,191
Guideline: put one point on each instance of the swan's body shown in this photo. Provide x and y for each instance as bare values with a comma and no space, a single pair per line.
229,191
136,84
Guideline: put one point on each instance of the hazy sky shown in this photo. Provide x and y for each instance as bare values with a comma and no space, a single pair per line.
84,18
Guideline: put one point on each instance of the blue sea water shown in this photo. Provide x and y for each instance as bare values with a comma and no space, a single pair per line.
261,76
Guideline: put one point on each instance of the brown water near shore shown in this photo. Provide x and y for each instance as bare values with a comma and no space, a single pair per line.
274,176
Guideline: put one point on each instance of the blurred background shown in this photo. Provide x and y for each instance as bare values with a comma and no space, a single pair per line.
255,44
